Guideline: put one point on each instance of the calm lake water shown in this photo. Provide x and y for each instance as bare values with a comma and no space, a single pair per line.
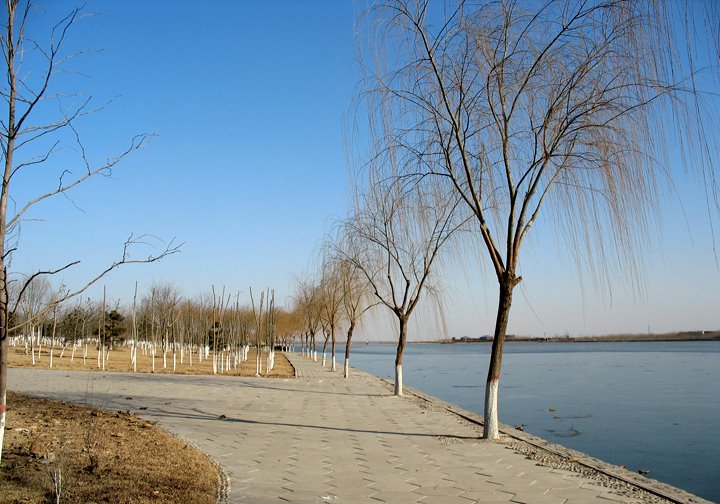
646,405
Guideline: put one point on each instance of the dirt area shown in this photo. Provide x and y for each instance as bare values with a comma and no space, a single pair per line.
97,456
119,360
93,456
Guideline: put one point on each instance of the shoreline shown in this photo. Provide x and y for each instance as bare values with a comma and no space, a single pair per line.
615,338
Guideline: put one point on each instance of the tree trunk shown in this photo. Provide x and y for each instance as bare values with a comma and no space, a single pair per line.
399,356
332,345
351,329
32,344
324,351
493,379
4,194
4,348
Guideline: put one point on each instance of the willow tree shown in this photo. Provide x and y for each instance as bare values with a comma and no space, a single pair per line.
39,123
331,299
355,291
398,233
562,109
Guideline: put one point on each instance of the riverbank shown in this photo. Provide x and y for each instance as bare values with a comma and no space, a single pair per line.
320,437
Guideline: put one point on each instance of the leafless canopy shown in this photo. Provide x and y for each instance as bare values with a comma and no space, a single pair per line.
572,105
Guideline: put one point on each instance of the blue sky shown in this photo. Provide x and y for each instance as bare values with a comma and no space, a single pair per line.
248,169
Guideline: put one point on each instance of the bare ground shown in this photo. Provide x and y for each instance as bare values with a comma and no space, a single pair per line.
97,456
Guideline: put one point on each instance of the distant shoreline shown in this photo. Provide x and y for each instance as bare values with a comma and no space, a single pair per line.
611,338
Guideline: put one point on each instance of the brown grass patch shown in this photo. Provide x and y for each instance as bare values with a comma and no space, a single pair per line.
119,360
103,457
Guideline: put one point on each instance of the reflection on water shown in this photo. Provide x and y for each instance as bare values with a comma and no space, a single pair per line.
651,406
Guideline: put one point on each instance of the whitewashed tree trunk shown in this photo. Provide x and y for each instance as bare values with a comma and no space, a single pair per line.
39,337
323,360
492,430
32,345
398,380
346,373
334,367
2,423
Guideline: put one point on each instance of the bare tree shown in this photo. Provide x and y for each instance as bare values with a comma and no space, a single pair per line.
562,105
306,300
165,298
356,291
25,96
33,304
330,301
398,234
265,319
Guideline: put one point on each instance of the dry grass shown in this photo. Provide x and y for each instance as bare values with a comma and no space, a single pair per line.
119,360
103,457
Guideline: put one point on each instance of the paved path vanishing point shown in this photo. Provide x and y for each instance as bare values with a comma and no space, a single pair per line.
322,439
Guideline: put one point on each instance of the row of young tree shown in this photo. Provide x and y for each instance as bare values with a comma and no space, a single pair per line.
162,324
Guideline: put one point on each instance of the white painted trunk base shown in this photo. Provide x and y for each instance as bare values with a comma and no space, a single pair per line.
491,410
346,373
323,360
398,380
334,367
2,426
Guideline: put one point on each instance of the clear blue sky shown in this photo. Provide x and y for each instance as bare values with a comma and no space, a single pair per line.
248,100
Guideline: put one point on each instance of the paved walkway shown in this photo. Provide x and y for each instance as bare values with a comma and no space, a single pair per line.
319,438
